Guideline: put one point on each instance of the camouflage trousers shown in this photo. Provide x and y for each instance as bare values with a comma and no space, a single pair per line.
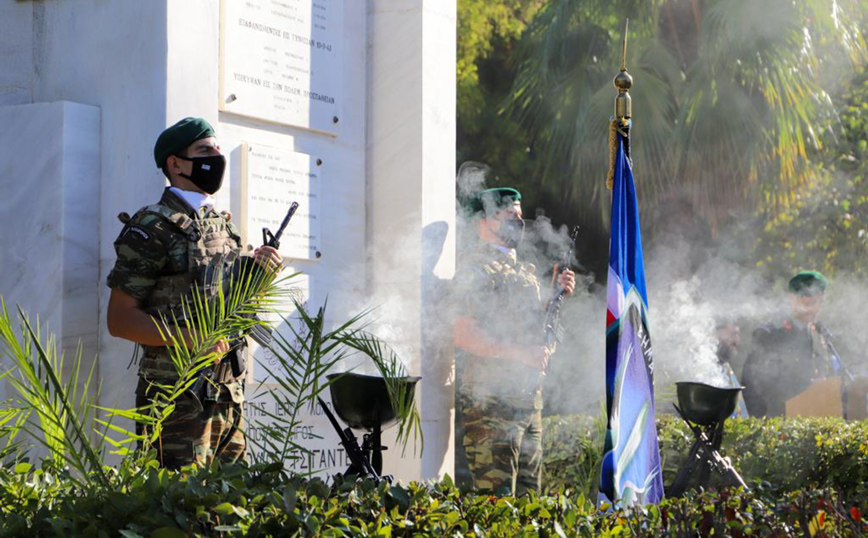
503,445
192,436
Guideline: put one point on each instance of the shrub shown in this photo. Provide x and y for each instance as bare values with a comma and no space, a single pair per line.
263,501
782,455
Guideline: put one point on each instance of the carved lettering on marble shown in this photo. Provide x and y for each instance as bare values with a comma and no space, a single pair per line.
272,180
313,431
281,61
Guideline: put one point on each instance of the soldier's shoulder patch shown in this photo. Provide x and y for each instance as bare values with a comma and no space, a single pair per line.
132,229
143,228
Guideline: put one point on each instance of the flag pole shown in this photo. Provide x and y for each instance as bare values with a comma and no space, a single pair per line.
623,111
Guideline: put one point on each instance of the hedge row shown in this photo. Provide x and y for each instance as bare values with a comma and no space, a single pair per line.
808,477
783,454
241,501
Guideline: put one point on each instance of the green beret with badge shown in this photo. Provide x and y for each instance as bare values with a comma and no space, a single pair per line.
177,137
807,283
493,200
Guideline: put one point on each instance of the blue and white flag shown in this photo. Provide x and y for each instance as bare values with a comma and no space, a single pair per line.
631,471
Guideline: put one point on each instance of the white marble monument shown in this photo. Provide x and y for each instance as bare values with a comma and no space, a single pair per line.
347,106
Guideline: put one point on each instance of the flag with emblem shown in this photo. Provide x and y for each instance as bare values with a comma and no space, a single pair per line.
631,472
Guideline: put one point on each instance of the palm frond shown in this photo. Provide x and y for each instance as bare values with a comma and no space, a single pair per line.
63,414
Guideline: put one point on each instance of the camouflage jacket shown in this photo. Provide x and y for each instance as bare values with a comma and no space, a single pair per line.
503,297
162,252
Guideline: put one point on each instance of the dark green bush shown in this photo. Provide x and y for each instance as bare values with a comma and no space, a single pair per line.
241,501
805,475
783,454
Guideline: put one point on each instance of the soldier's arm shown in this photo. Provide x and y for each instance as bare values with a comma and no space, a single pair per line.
127,320
468,336
141,259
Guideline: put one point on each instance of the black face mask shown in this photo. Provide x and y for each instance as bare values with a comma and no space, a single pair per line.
207,172
511,232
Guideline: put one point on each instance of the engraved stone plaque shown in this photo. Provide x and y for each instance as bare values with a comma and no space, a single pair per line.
271,180
314,432
281,61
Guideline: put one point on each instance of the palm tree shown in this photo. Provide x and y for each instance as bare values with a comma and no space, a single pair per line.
731,97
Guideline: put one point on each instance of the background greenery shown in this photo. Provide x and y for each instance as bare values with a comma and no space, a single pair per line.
745,112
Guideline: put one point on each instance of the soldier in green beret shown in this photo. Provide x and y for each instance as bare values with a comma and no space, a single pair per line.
499,337
162,253
791,353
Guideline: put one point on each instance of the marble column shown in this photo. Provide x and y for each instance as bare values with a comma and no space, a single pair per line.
49,214
411,201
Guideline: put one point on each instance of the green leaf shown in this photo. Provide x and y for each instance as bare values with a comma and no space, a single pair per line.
168,532
23,468
224,509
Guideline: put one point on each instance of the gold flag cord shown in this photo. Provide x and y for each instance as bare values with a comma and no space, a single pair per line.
613,153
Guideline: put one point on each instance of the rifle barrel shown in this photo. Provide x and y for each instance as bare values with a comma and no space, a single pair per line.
286,219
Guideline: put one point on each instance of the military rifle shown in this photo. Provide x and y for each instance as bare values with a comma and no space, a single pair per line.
273,240
359,463
238,272
552,318
703,459
551,327
262,333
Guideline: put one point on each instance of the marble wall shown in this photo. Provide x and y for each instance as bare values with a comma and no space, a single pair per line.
16,51
49,177
113,55
387,175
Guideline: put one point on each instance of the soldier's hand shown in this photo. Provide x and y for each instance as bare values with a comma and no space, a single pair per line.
535,356
268,258
220,349
566,280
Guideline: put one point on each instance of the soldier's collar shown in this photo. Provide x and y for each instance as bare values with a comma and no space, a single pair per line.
195,200
506,251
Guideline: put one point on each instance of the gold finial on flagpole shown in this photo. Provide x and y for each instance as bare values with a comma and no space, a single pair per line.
623,82
623,110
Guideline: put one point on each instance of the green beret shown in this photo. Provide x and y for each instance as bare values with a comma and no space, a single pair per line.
808,283
177,137
493,200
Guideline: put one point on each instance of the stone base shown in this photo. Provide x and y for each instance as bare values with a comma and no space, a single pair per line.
49,214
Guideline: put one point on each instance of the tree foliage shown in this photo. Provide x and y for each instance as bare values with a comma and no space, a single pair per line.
827,226
488,31
730,96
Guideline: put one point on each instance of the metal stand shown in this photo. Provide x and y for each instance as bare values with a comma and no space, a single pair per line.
372,444
704,459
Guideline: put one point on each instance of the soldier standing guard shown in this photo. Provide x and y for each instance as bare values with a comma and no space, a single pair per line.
789,355
162,252
500,333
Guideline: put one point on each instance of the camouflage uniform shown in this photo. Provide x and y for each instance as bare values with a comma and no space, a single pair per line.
162,252
500,401
787,357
